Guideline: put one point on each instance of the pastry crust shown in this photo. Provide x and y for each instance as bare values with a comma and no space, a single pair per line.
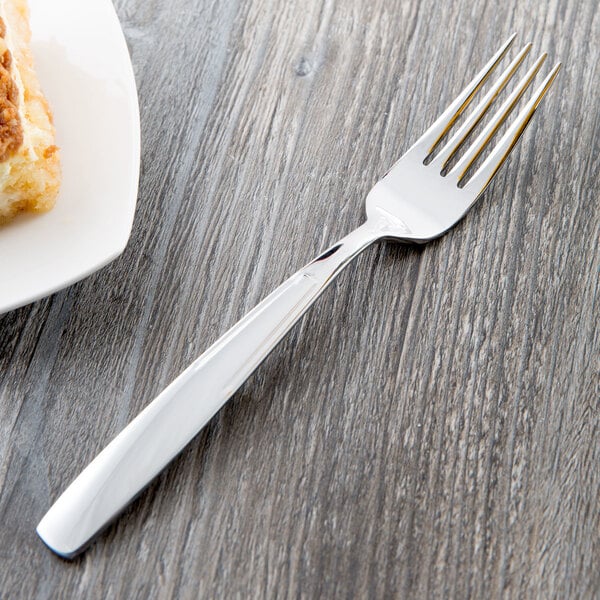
29,158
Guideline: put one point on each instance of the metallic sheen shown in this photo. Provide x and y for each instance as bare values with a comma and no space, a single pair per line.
414,202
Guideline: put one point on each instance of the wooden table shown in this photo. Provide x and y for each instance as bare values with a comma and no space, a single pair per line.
431,429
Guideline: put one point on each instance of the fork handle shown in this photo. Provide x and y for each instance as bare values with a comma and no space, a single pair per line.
124,468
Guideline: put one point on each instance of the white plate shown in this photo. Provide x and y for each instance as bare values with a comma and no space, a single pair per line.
85,71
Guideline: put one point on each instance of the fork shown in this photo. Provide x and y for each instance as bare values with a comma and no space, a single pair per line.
419,199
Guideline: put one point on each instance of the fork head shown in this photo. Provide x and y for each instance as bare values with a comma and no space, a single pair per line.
418,200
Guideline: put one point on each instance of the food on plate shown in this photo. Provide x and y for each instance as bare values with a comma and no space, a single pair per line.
29,158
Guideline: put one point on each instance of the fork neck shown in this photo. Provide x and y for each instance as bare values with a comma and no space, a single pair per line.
337,256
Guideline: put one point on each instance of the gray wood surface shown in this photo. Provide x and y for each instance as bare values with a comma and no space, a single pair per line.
431,428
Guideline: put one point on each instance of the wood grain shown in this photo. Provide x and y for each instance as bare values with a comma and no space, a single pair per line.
431,428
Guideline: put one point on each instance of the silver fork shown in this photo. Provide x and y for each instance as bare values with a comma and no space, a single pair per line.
416,201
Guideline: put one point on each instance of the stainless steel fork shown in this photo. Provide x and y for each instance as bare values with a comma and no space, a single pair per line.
415,202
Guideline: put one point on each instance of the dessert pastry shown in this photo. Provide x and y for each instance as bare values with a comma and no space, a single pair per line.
29,160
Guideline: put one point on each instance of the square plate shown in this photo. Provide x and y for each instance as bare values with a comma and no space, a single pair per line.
85,71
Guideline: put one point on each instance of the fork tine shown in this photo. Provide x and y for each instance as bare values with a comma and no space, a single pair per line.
495,160
449,149
436,132
476,148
